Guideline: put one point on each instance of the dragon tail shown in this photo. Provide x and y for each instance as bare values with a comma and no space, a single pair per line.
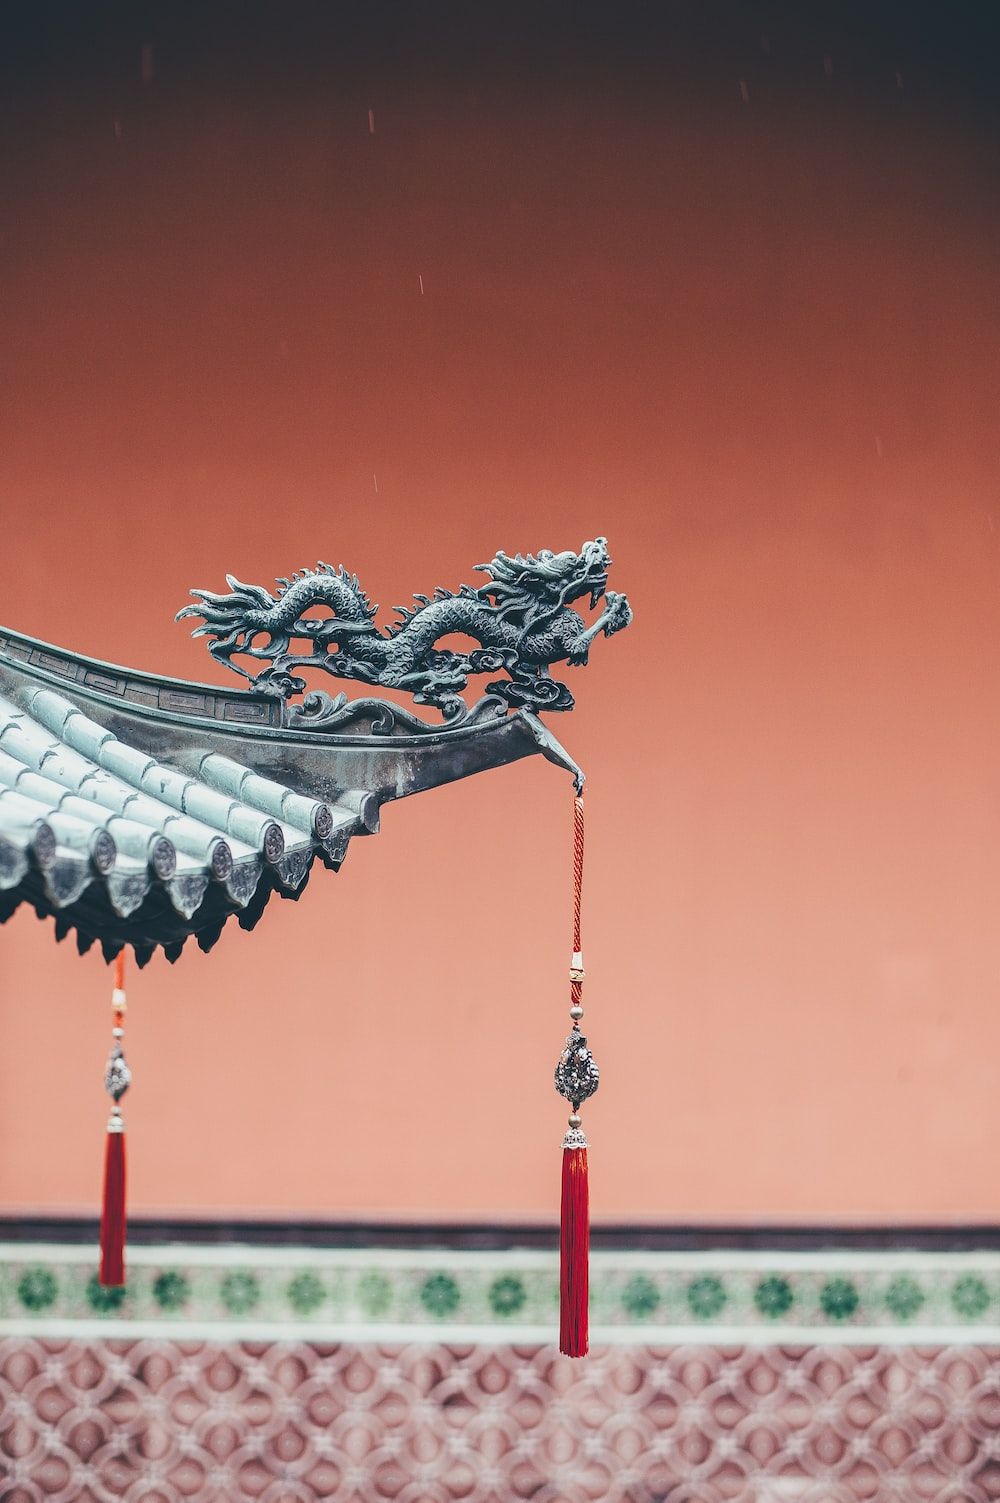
229,618
227,610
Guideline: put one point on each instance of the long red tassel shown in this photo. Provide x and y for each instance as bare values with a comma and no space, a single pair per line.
574,1254
116,1079
112,1273
576,1079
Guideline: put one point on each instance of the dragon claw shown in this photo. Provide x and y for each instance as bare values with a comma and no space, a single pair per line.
617,613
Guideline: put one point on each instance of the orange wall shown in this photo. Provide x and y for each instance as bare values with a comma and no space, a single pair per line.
754,343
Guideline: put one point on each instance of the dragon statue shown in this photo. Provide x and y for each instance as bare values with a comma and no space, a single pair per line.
521,617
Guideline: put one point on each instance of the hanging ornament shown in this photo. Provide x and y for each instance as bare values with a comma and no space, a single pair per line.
577,1077
117,1079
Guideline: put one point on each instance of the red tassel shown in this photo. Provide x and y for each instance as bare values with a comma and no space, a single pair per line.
574,1254
112,1274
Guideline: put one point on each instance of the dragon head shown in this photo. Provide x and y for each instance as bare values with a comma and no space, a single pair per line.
550,578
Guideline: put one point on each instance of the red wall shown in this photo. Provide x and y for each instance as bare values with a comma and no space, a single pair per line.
753,342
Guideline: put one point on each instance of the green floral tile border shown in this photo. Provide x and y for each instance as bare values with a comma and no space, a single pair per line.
634,1296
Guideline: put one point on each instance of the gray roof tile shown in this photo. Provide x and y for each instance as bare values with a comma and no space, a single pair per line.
103,834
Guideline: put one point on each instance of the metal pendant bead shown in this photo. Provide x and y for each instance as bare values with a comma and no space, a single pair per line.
117,1075
577,1075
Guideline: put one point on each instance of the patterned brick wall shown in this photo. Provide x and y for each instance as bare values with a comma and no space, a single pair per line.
163,1420
286,1375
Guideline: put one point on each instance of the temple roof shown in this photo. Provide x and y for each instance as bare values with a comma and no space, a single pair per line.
105,837
145,811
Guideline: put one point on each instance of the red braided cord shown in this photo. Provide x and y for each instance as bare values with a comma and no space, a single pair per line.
576,986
